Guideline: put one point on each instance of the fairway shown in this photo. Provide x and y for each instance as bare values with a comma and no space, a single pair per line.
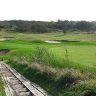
80,54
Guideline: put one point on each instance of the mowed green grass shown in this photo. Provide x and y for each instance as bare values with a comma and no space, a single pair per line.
82,55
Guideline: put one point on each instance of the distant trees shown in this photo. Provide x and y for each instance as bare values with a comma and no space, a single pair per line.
1,27
62,25
65,26
41,26
83,26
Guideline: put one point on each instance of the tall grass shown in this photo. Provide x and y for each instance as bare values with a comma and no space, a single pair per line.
44,56
2,92
54,80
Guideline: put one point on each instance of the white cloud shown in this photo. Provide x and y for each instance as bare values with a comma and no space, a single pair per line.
47,10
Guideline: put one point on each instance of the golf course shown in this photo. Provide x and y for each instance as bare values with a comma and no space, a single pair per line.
66,68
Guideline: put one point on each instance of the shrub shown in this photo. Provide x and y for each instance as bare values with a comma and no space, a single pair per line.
66,79
90,92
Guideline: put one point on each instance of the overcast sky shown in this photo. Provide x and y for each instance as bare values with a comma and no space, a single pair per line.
48,10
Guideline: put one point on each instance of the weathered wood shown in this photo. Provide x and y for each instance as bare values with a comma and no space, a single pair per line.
30,86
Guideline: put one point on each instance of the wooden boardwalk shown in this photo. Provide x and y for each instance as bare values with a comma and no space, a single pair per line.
17,85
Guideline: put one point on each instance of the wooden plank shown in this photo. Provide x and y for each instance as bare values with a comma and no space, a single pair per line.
34,88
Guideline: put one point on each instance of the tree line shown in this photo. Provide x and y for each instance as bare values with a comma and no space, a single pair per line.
42,26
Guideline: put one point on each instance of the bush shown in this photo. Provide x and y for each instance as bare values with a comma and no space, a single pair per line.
90,92
66,80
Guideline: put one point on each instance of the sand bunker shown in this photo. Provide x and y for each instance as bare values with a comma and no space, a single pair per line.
60,41
6,38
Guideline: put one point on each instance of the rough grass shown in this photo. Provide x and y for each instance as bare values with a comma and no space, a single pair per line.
2,93
58,82
78,36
